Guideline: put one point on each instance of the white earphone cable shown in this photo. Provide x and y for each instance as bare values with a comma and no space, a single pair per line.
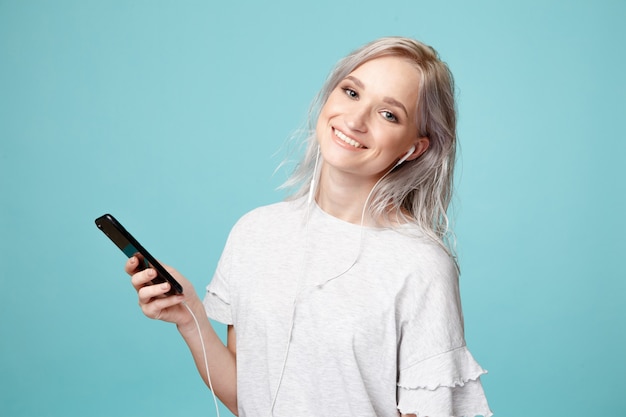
206,362
300,290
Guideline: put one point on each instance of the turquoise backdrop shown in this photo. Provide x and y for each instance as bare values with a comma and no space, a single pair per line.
172,116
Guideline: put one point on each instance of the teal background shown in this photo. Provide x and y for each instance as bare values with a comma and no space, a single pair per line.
172,116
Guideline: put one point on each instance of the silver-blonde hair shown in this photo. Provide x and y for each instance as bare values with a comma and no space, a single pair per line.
420,190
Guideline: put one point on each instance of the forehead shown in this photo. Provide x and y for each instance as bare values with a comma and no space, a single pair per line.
389,76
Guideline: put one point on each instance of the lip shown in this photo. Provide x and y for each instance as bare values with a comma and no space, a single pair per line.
346,141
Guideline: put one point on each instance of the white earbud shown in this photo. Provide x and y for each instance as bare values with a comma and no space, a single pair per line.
404,158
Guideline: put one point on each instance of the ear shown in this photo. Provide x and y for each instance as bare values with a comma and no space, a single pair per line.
421,145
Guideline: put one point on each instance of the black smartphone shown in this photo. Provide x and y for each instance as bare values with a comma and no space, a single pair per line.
129,245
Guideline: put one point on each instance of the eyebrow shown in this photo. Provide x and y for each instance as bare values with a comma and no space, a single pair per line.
389,100
396,103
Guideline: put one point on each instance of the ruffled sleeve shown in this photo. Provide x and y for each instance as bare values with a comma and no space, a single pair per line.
444,385
437,375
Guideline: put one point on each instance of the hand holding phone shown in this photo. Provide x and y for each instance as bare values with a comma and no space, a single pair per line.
131,247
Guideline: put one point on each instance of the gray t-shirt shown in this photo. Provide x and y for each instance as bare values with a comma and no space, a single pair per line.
334,319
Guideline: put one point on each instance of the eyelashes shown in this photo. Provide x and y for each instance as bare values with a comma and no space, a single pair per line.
387,115
350,93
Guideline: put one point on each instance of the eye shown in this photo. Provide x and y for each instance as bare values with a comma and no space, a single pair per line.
350,92
389,116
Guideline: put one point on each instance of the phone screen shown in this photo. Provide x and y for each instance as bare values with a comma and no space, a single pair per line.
131,247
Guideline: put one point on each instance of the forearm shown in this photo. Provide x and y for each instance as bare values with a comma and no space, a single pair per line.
221,361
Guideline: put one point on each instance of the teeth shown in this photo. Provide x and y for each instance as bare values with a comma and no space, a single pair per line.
346,139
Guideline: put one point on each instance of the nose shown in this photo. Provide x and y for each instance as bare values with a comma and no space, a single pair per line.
357,119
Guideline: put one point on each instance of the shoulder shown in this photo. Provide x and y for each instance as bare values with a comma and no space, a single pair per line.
273,216
426,275
429,305
410,246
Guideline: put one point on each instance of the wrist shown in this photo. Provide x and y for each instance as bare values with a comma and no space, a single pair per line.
188,324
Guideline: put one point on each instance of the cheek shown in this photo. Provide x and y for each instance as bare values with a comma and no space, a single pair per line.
334,104
323,113
324,117
395,143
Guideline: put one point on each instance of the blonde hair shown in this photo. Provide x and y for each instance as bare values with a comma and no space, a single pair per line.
420,190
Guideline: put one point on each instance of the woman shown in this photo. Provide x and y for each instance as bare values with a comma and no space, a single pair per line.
343,300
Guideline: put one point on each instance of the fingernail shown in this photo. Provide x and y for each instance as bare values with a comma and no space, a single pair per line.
165,286
151,273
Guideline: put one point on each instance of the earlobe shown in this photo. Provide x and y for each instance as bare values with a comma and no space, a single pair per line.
420,146
406,156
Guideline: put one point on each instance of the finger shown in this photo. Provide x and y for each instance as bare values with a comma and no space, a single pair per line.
149,292
131,265
143,278
159,308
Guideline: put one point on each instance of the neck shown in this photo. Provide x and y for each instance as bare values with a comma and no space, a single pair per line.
344,196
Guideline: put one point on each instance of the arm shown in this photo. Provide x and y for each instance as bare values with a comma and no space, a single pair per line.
221,359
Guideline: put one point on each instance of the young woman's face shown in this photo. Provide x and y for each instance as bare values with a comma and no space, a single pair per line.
368,122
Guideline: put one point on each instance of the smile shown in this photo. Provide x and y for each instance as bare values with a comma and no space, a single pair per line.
346,139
